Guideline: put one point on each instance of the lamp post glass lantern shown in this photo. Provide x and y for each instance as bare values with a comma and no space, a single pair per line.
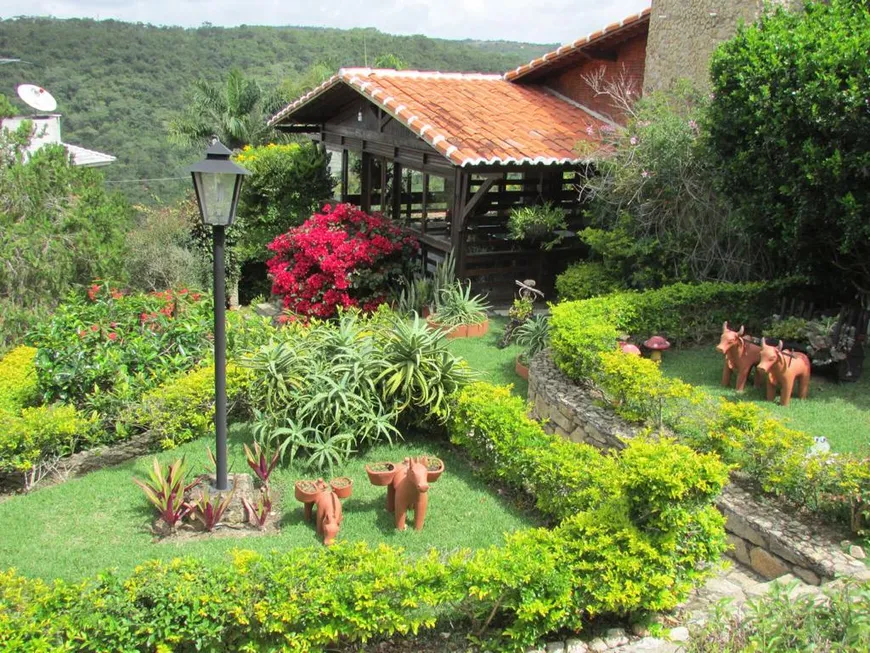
217,182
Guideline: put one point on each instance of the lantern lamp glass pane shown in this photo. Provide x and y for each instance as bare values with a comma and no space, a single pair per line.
216,195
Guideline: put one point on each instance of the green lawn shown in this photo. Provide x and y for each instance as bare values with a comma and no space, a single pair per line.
494,365
838,411
101,520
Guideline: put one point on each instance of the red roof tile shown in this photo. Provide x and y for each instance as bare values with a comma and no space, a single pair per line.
470,118
579,45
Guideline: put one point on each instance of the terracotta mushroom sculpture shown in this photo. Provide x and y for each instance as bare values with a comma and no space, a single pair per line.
656,345
627,348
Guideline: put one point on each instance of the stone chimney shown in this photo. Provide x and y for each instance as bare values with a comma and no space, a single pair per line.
684,33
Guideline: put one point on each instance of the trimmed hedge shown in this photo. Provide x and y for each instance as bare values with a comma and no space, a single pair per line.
595,562
18,379
182,408
584,336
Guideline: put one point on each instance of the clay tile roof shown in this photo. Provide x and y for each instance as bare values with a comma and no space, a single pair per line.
570,49
470,118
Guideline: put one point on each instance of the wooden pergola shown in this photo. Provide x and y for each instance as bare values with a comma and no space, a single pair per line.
449,156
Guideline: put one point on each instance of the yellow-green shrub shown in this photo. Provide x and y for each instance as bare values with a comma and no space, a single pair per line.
182,409
31,435
18,378
583,336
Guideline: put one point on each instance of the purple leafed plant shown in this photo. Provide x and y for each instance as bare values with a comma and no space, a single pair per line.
260,463
166,491
209,513
259,513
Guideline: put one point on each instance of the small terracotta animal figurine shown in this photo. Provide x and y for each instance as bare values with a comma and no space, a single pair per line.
409,490
329,516
783,368
317,494
741,356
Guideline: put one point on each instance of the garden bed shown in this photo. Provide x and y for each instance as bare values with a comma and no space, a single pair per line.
102,520
838,411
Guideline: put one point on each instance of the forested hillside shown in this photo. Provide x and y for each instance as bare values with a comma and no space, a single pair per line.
118,84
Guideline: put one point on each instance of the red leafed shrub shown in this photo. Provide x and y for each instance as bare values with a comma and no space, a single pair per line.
339,258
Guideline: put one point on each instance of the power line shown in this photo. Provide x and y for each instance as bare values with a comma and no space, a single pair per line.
138,181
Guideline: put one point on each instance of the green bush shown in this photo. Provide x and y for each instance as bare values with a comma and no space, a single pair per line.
780,623
182,408
584,336
790,130
32,435
596,562
103,351
18,378
586,279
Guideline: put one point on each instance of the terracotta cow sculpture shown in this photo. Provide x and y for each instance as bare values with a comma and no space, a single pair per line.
409,490
329,516
741,355
784,368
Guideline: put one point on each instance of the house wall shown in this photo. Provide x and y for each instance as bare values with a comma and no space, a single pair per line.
684,33
629,64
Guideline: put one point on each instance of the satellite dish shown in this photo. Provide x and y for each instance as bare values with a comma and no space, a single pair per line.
37,97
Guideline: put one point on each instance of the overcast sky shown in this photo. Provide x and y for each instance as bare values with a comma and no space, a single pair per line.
540,21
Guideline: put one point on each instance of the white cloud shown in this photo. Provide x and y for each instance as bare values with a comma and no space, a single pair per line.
544,21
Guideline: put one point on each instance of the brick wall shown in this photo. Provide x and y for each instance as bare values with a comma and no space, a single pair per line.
629,63
684,33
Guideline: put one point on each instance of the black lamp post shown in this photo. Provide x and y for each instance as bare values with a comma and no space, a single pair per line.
217,182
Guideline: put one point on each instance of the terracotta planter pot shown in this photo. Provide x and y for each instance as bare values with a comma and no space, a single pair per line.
521,370
381,477
342,486
308,491
477,330
426,312
433,475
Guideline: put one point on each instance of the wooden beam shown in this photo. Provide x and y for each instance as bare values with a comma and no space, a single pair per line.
366,183
396,192
476,198
345,174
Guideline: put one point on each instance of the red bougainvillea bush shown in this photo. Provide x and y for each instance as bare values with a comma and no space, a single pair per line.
340,257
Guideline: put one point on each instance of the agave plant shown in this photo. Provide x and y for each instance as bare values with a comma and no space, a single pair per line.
210,512
260,463
259,512
166,491
458,306
533,335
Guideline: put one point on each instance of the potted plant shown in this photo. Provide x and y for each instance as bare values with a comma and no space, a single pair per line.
434,468
307,491
538,225
342,486
532,335
459,313
380,473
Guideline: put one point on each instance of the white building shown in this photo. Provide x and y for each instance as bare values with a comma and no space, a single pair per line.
46,130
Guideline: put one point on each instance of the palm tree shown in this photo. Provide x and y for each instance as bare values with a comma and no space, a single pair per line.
234,111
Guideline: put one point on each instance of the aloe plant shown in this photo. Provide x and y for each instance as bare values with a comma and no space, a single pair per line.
166,491
458,306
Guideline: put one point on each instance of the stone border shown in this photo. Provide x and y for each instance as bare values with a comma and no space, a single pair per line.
763,537
84,462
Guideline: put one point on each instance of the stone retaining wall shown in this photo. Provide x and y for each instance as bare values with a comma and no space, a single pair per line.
763,537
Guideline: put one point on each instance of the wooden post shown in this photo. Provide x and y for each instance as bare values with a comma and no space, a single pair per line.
424,209
365,192
396,192
383,182
345,167
457,231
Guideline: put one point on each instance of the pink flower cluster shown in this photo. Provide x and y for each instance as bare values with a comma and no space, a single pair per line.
340,257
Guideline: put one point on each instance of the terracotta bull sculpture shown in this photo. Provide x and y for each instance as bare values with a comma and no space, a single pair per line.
409,490
741,355
317,495
329,516
784,368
